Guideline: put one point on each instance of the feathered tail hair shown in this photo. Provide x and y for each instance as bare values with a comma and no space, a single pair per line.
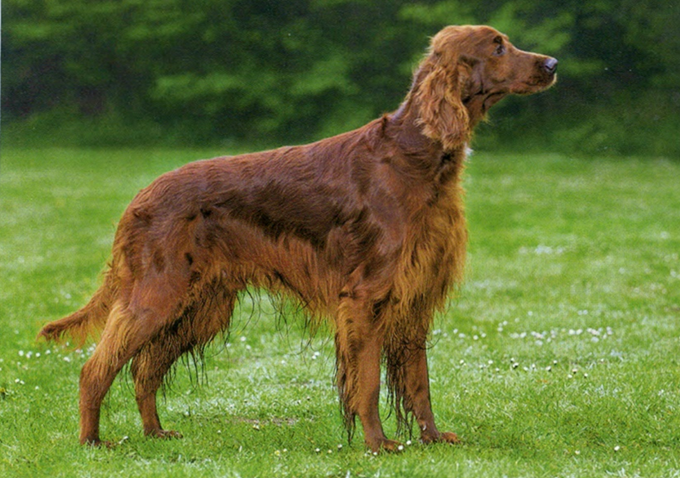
84,323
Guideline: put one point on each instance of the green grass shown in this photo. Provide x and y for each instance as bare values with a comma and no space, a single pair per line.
573,265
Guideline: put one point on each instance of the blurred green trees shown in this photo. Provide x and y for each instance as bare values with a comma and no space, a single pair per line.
294,70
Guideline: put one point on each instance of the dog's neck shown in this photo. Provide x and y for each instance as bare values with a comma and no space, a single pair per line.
405,127
408,131
440,166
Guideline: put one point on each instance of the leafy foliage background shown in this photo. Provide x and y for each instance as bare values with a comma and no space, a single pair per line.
267,71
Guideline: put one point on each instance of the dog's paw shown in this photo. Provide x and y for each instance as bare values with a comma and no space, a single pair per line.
97,443
389,446
449,437
164,434
444,437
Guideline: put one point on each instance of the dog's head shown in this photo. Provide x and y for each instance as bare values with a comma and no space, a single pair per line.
469,69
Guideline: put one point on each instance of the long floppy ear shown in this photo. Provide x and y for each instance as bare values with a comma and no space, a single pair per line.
439,85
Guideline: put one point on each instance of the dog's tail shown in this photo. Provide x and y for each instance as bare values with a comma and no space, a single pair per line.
84,323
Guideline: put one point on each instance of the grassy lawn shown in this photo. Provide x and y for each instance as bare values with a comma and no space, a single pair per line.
559,357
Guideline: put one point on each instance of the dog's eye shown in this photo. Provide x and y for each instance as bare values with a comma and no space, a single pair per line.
500,50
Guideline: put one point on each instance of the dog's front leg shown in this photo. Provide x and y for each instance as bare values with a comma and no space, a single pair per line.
417,397
359,338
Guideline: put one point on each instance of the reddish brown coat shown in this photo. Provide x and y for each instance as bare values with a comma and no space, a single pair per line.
365,229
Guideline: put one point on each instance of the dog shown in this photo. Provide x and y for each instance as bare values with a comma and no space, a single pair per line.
365,229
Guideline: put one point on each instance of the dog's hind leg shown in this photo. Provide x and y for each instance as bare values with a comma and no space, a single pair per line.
132,323
194,329
148,368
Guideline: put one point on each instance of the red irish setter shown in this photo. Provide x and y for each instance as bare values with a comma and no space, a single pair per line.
366,229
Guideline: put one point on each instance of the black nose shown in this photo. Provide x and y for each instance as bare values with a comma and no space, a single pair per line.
550,65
